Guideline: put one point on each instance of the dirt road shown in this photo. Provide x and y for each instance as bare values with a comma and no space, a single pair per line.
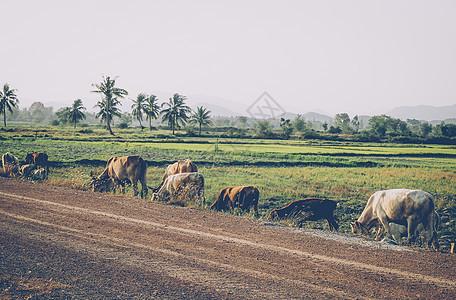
83,245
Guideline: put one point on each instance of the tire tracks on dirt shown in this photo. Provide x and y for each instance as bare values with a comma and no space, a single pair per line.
239,241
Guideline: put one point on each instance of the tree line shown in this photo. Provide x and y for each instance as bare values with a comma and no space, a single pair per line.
177,115
174,112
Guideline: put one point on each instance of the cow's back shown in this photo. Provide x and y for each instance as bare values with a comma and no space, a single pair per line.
400,203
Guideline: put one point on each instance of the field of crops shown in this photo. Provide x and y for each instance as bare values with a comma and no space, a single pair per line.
283,170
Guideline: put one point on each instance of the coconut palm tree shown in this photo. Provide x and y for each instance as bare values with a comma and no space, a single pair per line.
110,100
176,112
138,107
8,100
201,116
151,109
75,113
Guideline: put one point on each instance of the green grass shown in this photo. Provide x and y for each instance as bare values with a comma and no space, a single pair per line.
347,172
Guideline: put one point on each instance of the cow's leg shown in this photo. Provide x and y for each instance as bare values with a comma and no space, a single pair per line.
332,223
380,232
412,223
134,183
385,222
143,187
122,186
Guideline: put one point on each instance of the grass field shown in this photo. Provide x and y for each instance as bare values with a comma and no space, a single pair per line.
348,172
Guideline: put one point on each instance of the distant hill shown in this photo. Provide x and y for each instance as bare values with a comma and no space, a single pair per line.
423,112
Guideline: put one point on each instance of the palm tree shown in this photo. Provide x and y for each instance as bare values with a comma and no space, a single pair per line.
151,109
201,116
110,100
8,100
75,113
138,108
176,113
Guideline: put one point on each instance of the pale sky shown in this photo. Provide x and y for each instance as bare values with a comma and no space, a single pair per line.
352,56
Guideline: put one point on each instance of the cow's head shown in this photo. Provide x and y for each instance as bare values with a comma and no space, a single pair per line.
155,197
273,214
101,184
357,227
29,158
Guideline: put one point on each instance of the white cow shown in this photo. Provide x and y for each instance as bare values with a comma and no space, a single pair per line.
10,163
180,187
402,206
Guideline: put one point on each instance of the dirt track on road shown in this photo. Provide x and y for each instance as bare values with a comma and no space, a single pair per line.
77,244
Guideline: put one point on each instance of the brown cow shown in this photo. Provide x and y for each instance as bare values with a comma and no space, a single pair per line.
185,166
40,159
313,209
120,169
243,197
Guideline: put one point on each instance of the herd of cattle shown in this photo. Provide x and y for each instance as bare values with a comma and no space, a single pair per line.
398,213
35,168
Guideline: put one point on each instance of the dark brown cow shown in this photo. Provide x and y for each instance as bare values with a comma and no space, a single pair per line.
313,209
243,197
37,158
120,169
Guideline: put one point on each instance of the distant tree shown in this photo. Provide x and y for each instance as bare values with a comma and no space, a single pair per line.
287,127
355,123
325,126
425,129
151,109
75,113
263,128
176,113
241,121
8,101
202,117
139,107
63,115
378,125
299,123
342,121
110,100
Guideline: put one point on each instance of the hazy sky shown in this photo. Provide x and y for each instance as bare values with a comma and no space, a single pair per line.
337,56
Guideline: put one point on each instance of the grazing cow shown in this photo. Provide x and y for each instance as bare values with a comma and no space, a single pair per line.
313,209
37,158
402,206
119,170
185,166
244,197
10,163
180,187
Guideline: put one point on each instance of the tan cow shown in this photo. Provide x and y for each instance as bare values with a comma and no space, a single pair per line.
181,187
402,206
120,170
244,197
181,166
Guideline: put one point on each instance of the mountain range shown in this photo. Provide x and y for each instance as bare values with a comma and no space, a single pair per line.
229,108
